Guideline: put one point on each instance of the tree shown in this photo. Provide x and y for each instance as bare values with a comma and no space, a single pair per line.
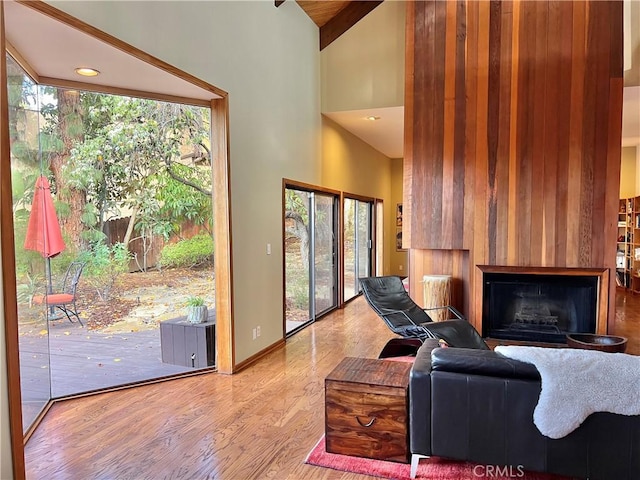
67,122
297,210
149,159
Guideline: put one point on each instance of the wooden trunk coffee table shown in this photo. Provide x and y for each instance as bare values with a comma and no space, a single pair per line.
366,409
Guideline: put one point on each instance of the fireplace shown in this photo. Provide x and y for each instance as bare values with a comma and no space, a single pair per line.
540,305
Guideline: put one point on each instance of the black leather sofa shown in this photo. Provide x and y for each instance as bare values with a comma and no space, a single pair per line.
477,405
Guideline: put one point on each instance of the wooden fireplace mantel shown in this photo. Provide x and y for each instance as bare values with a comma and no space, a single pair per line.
602,289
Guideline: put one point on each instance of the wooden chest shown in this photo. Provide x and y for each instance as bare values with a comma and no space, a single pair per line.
366,411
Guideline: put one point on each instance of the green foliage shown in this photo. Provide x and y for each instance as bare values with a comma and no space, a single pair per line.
180,201
103,266
297,201
188,253
25,291
130,159
298,295
195,302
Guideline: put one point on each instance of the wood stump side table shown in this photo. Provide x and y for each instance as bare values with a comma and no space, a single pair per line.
436,291
366,409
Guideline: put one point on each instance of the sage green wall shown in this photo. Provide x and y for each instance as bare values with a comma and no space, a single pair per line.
267,58
364,67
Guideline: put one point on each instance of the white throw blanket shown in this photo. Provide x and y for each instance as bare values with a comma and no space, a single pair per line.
577,383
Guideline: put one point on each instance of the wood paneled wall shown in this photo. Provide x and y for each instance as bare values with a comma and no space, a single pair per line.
512,136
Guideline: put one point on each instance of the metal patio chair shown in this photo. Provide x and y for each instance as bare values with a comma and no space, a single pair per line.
65,299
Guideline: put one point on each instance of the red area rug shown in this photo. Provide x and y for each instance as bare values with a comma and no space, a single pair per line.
433,468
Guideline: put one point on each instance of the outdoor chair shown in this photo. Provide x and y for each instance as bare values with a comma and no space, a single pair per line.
65,299
389,299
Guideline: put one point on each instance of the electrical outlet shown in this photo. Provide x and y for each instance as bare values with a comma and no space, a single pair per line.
255,335
268,253
258,330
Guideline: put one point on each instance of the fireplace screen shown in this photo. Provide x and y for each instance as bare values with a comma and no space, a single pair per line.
538,308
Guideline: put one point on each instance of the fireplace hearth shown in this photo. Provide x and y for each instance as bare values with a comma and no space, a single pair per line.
538,307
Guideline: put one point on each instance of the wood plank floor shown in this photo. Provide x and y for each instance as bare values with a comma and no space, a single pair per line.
258,424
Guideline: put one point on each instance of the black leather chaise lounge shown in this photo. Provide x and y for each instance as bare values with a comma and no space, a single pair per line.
389,299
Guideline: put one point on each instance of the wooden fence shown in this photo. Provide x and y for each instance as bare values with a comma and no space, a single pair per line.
115,231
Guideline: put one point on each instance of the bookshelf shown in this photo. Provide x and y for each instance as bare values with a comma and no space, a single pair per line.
628,244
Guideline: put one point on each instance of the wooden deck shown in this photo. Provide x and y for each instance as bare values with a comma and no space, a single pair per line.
83,360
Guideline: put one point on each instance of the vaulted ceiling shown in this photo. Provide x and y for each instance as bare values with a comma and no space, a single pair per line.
28,34
335,17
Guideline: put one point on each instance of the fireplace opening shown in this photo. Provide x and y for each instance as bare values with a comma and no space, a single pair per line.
538,308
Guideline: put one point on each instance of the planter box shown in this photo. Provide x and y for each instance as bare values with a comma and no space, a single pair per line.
188,344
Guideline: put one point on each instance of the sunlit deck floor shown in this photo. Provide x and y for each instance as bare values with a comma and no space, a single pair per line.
83,360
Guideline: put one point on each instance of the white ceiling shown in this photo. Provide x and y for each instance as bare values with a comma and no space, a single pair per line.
55,50
385,135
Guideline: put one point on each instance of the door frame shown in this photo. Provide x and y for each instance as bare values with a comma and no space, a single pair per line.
296,185
373,225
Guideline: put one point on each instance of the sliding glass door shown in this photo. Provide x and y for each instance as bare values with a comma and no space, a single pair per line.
357,244
310,259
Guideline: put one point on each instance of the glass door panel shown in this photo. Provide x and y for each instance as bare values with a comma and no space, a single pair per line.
350,287
311,274
31,274
363,241
324,250
296,258
357,244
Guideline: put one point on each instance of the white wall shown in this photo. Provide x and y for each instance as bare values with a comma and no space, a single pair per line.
267,59
364,67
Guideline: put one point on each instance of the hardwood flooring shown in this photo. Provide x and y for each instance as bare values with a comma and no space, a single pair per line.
258,424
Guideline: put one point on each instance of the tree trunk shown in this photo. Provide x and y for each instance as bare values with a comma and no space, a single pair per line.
70,131
130,225
300,230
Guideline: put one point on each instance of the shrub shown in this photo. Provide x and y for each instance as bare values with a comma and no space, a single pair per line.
103,266
188,253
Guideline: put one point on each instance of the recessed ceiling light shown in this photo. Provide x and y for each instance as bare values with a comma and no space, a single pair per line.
87,72
372,118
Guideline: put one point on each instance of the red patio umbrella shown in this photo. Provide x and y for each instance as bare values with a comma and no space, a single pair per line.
43,232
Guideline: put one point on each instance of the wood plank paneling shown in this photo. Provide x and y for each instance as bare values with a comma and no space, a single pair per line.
515,134
407,163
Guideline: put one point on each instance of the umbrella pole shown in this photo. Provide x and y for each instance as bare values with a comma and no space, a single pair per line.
52,313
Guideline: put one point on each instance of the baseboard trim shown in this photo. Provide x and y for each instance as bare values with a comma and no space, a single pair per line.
254,358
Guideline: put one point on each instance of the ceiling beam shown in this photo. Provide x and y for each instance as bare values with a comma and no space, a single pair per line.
344,20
